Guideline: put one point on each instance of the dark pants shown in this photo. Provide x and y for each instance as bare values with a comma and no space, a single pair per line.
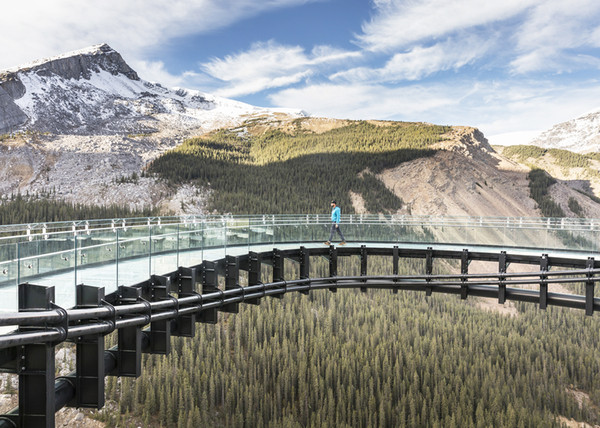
333,230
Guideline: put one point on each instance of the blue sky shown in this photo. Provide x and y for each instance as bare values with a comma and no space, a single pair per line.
511,68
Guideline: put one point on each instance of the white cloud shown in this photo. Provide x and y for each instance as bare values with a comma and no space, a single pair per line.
553,28
399,23
269,65
421,61
35,29
364,101
494,107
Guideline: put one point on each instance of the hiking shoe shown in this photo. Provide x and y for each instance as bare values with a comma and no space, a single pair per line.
343,243
327,243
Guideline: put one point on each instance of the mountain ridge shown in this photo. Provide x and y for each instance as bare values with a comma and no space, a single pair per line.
94,91
580,135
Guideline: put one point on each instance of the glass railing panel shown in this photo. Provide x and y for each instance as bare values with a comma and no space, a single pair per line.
191,243
133,254
164,242
97,258
9,271
53,269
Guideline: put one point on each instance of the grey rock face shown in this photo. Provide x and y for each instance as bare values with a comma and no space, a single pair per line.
12,85
11,116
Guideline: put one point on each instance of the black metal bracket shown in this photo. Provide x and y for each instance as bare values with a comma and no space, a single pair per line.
35,364
185,280
395,258
254,274
363,264
464,270
278,269
502,265
428,270
159,288
544,266
232,281
304,266
89,373
129,339
589,288
333,265
210,284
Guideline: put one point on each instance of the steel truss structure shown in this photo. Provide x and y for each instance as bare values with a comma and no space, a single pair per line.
148,314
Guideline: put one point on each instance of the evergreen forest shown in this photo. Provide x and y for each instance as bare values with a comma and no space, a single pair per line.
374,359
21,210
298,172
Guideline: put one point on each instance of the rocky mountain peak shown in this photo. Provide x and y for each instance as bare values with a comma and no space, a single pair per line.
94,91
580,135
73,65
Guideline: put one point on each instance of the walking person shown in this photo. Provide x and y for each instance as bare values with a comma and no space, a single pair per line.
335,224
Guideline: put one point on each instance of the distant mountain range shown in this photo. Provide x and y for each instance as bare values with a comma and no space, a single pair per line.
581,135
94,91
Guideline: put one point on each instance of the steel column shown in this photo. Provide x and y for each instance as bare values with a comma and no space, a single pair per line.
89,373
185,279
589,288
209,285
502,265
129,350
543,284
333,265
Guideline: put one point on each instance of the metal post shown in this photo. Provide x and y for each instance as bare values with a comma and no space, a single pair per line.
464,270
254,273
428,270
232,281
209,285
35,364
589,288
89,374
185,325
278,263
363,264
129,339
156,289
304,265
333,265
395,258
543,284
502,265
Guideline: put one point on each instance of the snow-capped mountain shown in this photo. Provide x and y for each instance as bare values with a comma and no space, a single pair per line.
94,91
580,135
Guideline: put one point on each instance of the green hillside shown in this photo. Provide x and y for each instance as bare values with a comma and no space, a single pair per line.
280,172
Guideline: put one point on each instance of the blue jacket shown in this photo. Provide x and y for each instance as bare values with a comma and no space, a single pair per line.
335,214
